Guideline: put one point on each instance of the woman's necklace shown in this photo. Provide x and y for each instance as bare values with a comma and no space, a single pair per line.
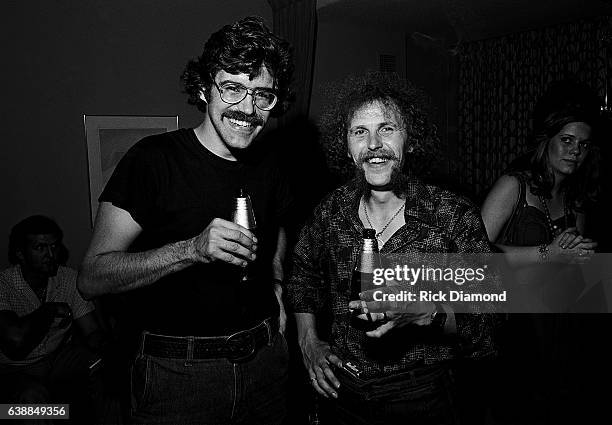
554,229
379,234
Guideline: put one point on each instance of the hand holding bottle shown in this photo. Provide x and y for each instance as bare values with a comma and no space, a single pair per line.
224,241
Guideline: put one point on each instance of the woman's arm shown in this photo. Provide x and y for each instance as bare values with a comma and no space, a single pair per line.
497,210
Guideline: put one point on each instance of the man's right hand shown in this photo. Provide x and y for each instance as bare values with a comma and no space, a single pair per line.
318,358
225,241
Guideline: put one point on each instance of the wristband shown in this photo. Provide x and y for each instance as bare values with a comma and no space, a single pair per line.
278,281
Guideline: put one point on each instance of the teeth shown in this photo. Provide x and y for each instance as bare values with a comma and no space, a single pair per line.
376,160
240,123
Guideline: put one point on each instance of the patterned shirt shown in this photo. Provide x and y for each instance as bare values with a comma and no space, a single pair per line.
436,221
16,295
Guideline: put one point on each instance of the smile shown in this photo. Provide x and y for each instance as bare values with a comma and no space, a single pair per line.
239,123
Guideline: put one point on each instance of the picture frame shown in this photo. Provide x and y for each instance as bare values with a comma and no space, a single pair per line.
108,138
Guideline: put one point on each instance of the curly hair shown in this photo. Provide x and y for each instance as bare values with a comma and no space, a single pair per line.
242,47
34,225
412,104
581,186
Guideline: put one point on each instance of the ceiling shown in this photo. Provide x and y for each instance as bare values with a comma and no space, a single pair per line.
461,20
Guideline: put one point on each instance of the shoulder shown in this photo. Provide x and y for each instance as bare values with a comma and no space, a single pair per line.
340,198
11,274
66,276
433,200
506,189
157,145
66,272
509,182
333,205
9,277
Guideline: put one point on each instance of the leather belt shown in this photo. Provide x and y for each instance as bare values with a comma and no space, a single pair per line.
236,347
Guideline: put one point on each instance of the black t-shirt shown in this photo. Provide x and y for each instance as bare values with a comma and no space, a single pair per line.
173,187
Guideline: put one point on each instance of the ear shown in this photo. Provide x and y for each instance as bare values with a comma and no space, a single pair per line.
20,257
203,96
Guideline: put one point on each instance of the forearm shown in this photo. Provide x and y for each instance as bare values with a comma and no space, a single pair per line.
306,327
522,255
115,272
278,291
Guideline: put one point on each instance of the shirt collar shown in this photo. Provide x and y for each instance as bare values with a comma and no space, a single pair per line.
419,214
419,203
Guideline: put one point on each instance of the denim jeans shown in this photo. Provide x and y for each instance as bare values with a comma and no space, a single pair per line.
424,396
212,391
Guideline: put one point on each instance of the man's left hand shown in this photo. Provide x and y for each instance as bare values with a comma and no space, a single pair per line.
395,314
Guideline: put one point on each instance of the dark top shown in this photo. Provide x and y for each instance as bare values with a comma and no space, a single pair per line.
437,221
528,226
173,187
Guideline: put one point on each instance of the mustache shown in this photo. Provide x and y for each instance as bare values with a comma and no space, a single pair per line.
388,155
241,116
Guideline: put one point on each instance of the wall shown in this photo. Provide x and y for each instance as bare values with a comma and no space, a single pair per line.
352,47
69,58
349,48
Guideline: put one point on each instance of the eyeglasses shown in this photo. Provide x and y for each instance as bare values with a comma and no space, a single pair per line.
386,132
233,93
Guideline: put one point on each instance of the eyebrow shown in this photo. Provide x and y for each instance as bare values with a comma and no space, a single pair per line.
382,124
573,137
240,84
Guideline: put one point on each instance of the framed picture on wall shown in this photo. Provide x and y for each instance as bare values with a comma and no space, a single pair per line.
109,137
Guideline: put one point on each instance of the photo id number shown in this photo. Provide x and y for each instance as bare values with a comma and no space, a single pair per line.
34,411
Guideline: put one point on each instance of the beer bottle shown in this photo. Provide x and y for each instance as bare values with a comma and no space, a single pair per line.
362,278
244,216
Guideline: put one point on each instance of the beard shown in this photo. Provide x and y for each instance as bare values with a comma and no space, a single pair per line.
398,183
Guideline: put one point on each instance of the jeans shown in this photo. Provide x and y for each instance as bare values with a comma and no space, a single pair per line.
424,396
212,391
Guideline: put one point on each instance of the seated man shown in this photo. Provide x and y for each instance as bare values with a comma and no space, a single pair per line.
402,371
38,304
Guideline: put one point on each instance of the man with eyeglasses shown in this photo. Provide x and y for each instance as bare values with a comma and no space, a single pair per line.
211,347
400,371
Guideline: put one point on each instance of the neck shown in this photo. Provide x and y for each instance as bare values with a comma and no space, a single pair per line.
382,200
556,189
209,138
34,279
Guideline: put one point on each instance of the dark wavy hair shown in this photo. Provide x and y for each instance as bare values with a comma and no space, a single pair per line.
412,104
241,48
34,225
581,186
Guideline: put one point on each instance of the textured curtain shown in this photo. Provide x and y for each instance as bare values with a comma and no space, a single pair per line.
296,21
501,79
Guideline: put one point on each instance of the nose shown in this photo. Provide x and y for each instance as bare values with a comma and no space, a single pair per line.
575,148
51,251
375,141
247,105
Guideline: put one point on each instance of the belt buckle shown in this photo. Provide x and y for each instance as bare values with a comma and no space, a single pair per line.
252,345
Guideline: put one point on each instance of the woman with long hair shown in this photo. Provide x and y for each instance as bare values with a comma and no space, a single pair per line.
537,213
